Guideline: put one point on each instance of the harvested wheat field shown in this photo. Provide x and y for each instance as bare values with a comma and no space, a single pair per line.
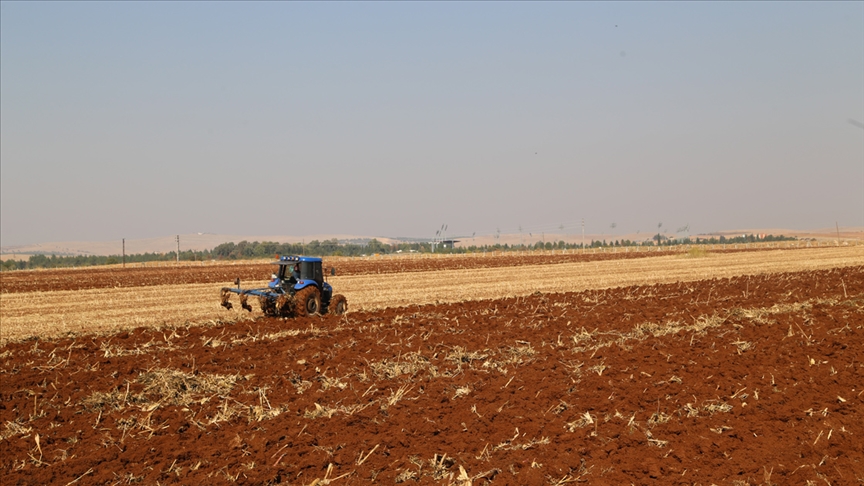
712,370
162,273
145,275
106,306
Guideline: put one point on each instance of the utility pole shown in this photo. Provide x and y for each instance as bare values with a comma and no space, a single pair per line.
178,248
124,252
583,235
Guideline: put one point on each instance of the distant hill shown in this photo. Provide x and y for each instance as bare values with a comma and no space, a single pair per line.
846,233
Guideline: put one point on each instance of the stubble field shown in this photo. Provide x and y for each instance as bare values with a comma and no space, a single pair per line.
725,369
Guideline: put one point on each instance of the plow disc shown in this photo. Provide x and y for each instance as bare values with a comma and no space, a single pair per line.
226,294
285,305
245,305
268,306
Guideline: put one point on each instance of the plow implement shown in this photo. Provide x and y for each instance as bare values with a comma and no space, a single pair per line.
275,304
264,296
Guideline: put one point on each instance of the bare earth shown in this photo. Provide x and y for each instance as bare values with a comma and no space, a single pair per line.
737,368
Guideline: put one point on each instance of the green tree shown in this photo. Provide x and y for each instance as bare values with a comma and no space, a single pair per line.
224,250
375,246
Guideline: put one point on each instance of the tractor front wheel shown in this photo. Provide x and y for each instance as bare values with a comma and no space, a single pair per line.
338,305
308,301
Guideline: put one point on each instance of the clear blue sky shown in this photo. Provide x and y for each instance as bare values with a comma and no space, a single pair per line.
156,118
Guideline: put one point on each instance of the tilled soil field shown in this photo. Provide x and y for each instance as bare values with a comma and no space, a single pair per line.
53,314
225,272
746,380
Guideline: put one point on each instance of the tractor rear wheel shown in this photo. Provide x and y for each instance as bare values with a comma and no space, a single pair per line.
308,301
338,305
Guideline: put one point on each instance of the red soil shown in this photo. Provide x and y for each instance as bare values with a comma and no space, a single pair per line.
515,391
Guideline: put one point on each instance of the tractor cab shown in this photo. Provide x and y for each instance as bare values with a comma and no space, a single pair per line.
311,273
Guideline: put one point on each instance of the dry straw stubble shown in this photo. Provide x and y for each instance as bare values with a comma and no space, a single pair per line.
109,310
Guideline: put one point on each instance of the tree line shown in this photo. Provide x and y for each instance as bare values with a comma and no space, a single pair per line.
68,261
246,250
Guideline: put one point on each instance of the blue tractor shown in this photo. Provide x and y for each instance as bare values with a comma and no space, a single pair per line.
297,288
